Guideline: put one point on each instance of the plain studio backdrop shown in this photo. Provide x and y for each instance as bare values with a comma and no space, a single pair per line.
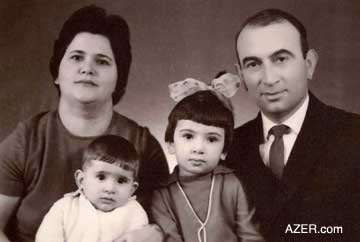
171,40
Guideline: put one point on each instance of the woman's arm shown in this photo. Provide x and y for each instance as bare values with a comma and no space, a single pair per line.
153,169
7,207
12,150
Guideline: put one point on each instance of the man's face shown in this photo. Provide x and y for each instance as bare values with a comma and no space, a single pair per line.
274,69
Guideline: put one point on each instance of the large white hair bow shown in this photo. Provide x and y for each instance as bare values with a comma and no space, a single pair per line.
227,85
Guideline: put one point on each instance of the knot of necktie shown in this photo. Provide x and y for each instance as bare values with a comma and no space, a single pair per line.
279,130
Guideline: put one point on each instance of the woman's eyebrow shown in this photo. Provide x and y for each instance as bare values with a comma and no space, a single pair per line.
101,55
104,56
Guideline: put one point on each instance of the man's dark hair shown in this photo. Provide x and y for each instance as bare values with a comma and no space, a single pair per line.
269,16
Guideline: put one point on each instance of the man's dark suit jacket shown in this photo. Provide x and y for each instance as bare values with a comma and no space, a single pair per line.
321,181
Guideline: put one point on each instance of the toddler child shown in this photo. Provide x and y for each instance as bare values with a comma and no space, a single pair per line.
202,200
103,208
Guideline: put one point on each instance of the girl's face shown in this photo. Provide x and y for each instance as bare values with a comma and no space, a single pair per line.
87,71
106,186
197,147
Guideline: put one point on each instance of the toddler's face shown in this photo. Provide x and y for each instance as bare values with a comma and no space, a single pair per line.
106,186
197,147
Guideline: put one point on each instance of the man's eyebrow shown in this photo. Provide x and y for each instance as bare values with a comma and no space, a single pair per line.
282,51
250,58
276,53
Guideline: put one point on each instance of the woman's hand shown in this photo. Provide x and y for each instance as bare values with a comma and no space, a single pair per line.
148,233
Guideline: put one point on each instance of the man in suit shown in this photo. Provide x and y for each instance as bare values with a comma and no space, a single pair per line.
302,175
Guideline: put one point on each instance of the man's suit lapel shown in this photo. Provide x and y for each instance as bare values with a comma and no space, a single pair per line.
306,152
266,191
258,139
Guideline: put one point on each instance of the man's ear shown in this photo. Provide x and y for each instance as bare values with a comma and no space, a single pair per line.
135,186
311,61
79,178
171,147
241,76
56,81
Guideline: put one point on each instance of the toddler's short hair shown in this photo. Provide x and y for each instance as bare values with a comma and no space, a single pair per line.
115,150
205,107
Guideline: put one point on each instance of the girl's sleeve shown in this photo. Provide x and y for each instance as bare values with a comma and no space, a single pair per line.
245,227
52,226
164,217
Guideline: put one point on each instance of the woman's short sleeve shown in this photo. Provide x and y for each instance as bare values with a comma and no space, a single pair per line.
12,158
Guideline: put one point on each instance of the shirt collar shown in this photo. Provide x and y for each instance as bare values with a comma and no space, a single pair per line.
295,121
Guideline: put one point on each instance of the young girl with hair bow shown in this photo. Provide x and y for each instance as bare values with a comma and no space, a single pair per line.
202,200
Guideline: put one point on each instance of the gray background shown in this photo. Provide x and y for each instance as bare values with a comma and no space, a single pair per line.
171,40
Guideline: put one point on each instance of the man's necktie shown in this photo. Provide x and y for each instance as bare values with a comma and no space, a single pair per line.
276,156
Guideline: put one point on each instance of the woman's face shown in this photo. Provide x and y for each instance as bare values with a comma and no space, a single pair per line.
87,71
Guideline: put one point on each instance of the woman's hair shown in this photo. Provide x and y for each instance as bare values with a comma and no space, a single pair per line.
205,107
93,19
115,150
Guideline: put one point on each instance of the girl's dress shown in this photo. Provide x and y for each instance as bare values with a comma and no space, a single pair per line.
209,208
